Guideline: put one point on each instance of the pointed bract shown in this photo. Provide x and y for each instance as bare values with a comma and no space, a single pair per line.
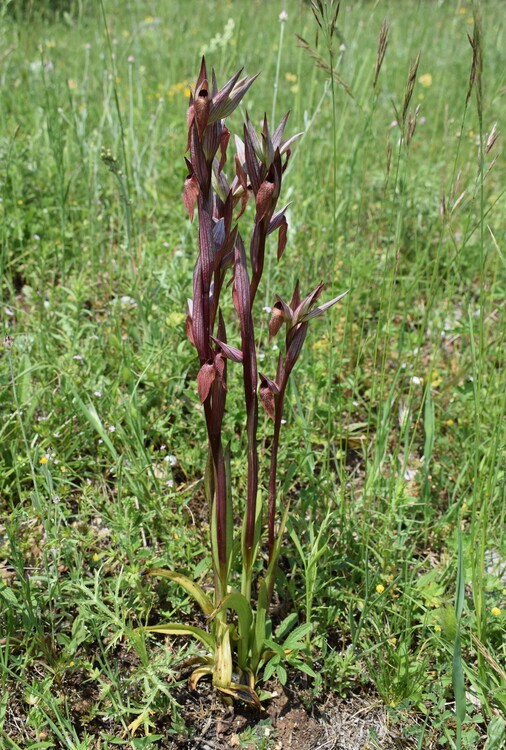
230,352
317,311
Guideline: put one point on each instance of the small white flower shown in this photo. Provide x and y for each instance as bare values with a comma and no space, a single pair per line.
78,357
275,347
416,380
163,447
36,237
9,312
127,300
283,421
97,394
112,428
342,47
267,309
170,483
283,16
171,459
131,59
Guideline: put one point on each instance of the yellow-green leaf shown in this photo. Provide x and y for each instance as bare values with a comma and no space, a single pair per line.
190,586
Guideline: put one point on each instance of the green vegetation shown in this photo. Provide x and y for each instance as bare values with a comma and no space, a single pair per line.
393,453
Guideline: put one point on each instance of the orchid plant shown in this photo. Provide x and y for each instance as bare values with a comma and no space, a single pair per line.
238,644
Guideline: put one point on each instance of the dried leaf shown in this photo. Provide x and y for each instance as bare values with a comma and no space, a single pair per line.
205,379
264,199
278,317
267,399
190,194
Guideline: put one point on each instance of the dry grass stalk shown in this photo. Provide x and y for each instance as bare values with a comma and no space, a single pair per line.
321,14
382,48
410,86
492,138
411,125
324,65
389,160
475,76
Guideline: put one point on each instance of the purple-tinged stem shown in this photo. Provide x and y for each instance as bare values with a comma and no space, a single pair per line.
243,306
278,416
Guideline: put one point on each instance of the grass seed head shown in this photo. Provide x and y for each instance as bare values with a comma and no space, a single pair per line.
410,86
382,48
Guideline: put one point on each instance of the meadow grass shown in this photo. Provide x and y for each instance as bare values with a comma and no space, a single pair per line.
395,442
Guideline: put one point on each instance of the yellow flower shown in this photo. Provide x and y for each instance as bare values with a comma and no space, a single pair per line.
291,77
496,611
71,663
425,80
175,319
380,588
392,641
95,557
44,460
437,628
436,379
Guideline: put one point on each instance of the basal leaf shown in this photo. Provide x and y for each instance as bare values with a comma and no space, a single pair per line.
176,629
195,591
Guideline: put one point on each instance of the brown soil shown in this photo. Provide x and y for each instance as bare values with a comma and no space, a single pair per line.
354,723
288,721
